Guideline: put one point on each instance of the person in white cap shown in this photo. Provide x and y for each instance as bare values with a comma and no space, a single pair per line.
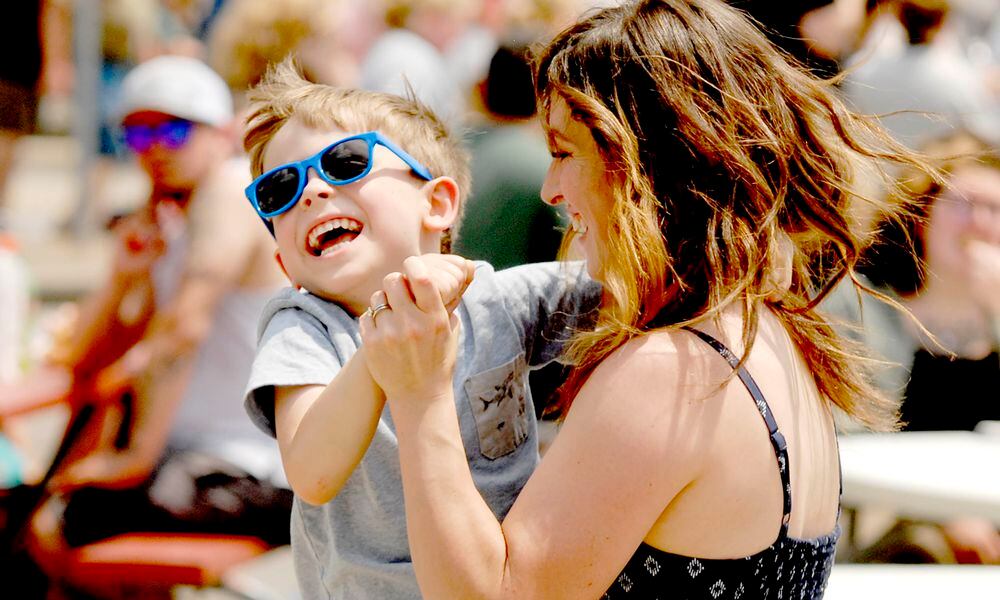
176,323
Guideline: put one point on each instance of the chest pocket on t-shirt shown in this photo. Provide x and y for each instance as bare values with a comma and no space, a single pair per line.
499,402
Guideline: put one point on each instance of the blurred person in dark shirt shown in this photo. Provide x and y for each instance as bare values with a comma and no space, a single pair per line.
506,224
942,263
815,32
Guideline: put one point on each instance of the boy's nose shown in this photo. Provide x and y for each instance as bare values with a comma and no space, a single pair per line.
316,187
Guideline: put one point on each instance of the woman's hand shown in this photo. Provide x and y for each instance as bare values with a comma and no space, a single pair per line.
411,346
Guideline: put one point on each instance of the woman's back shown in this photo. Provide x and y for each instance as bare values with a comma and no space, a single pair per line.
716,535
733,506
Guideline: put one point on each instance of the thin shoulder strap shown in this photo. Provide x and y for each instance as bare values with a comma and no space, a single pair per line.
777,439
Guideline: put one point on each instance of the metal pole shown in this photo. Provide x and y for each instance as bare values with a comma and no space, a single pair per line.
87,31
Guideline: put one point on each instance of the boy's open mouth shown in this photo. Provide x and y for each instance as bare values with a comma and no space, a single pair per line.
328,235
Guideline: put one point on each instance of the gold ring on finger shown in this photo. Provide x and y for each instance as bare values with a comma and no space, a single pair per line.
375,310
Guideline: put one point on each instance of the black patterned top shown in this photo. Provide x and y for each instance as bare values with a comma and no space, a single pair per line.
790,568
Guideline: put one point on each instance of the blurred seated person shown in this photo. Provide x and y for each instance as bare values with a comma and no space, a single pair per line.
925,87
952,286
175,324
504,223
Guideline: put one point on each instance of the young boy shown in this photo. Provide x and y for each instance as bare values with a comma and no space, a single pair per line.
348,207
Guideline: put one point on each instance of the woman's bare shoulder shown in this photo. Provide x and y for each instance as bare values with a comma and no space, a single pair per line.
664,357
664,379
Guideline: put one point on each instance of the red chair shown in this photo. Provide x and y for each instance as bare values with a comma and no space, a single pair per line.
139,564
150,564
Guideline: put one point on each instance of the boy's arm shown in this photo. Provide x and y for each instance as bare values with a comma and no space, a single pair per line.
323,432
548,302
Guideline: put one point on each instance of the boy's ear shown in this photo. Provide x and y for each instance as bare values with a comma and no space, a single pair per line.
444,201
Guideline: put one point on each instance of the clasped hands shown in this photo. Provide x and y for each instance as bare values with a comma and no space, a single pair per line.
410,332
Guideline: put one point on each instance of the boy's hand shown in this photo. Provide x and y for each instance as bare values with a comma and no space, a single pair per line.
450,274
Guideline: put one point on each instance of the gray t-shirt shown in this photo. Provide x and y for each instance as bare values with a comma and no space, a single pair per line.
355,546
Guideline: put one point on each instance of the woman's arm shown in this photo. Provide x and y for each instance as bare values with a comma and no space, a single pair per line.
607,478
324,432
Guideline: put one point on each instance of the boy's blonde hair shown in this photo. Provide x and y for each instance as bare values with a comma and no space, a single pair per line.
284,93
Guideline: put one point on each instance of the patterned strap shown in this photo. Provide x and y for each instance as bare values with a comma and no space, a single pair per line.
777,439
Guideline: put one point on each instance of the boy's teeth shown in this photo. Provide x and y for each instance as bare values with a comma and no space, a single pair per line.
577,225
341,223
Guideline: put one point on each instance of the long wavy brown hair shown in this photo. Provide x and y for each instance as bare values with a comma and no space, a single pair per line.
722,150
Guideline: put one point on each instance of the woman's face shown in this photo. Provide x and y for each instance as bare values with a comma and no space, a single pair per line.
963,230
578,179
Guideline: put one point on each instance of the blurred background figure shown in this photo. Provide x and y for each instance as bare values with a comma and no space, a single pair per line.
327,37
953,289
915,61
169,339
505,224
21,37
949,381
413,52
817,33
442,48
19,80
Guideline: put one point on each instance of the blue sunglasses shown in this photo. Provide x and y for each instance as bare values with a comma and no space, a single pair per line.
171,134
342,162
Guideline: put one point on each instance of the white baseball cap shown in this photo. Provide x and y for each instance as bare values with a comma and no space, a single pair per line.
177,85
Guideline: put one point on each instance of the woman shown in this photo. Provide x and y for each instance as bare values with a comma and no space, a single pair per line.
688,153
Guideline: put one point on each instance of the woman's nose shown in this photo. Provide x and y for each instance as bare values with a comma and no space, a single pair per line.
550,190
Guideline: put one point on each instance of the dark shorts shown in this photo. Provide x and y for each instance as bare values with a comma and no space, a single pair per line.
189,492
19,107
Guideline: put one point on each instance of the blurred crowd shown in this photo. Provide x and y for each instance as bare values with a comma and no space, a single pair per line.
187,273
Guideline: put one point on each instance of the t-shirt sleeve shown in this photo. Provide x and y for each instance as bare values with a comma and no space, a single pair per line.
548,303
294,349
